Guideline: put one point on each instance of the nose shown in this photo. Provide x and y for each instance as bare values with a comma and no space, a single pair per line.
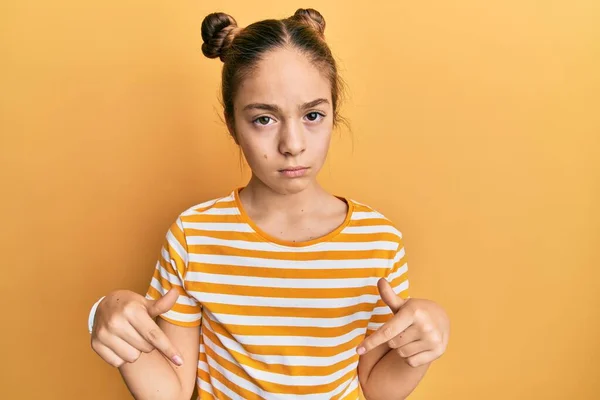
292,141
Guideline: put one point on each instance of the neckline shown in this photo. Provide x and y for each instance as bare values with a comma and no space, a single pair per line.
287,243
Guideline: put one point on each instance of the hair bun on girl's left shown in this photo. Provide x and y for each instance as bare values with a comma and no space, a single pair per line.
218,31
311,17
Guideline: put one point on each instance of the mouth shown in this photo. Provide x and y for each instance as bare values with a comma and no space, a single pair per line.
294,172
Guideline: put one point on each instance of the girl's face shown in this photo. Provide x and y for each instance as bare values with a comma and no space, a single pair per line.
283,120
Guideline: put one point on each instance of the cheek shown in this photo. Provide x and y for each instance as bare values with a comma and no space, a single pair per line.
256,152
321,143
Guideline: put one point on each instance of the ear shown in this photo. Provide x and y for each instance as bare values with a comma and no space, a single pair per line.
231,127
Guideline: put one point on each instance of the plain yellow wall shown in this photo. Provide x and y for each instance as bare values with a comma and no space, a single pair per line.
476,128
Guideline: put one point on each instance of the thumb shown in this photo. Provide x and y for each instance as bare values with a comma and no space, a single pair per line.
389,297
164,304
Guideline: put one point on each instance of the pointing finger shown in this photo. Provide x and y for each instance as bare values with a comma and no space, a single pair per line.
389,297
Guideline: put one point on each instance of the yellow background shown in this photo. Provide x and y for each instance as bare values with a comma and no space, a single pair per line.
475,127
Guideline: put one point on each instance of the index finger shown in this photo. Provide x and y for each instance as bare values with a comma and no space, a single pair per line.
392,328
157,338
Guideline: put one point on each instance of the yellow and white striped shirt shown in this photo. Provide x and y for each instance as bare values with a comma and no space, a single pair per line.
279,320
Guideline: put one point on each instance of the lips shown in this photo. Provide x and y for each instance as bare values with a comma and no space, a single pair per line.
291,169
294,172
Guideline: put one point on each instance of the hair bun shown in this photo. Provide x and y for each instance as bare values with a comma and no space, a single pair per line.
312,18
218,31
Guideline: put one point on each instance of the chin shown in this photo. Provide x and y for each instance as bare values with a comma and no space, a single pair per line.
291,186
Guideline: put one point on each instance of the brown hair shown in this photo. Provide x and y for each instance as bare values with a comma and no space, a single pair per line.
241,49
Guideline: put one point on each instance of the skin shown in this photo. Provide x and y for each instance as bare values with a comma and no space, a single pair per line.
283,118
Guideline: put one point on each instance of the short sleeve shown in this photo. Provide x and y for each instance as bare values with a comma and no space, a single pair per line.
169,273
398,278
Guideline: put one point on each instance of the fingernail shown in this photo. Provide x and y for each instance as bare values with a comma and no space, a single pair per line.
177,360
361,351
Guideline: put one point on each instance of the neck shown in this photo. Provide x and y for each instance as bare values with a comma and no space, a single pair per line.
258,197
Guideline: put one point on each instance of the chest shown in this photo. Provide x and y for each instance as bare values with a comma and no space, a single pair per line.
317,293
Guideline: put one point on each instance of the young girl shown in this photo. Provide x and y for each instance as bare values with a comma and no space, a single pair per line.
279,290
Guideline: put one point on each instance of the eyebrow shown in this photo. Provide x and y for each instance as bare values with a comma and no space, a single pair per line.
274,108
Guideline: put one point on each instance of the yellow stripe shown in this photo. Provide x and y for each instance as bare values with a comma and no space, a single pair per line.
257,311
280,292
294,256
290,273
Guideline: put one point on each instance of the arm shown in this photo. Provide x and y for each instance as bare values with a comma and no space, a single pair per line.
380,367
385,375
399,354
126,335
153,376
403,337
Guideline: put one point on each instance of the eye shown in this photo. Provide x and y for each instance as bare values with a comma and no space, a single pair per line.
314,116
264,120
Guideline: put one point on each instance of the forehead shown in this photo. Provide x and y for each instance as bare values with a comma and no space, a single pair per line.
284,77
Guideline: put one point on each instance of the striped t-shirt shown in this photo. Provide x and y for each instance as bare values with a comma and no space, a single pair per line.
278,319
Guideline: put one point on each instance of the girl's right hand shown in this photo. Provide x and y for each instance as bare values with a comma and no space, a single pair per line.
124,327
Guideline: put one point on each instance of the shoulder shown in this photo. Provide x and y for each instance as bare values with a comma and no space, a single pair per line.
225,205
215,211
366,219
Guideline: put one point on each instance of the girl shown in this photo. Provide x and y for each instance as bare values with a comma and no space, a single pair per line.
279,290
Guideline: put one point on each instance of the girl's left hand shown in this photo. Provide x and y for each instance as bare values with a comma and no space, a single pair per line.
418,331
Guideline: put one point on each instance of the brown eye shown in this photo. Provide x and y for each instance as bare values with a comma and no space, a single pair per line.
314,116
263,120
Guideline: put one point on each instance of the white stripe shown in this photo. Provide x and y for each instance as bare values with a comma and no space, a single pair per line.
399,254
202,365
373,326
193,210
282,379
401,287
209,203
383,310
219,226
222,388
287,264
250,320
308,341
243,383
174,315
346,384
358,215
172,279
352,386
401,271
187,301
398,289
156,285
304,361
266,246
179,249
207,387
235,379
292,283
219,211
183,300
221,298
373,229
165,255
180,317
